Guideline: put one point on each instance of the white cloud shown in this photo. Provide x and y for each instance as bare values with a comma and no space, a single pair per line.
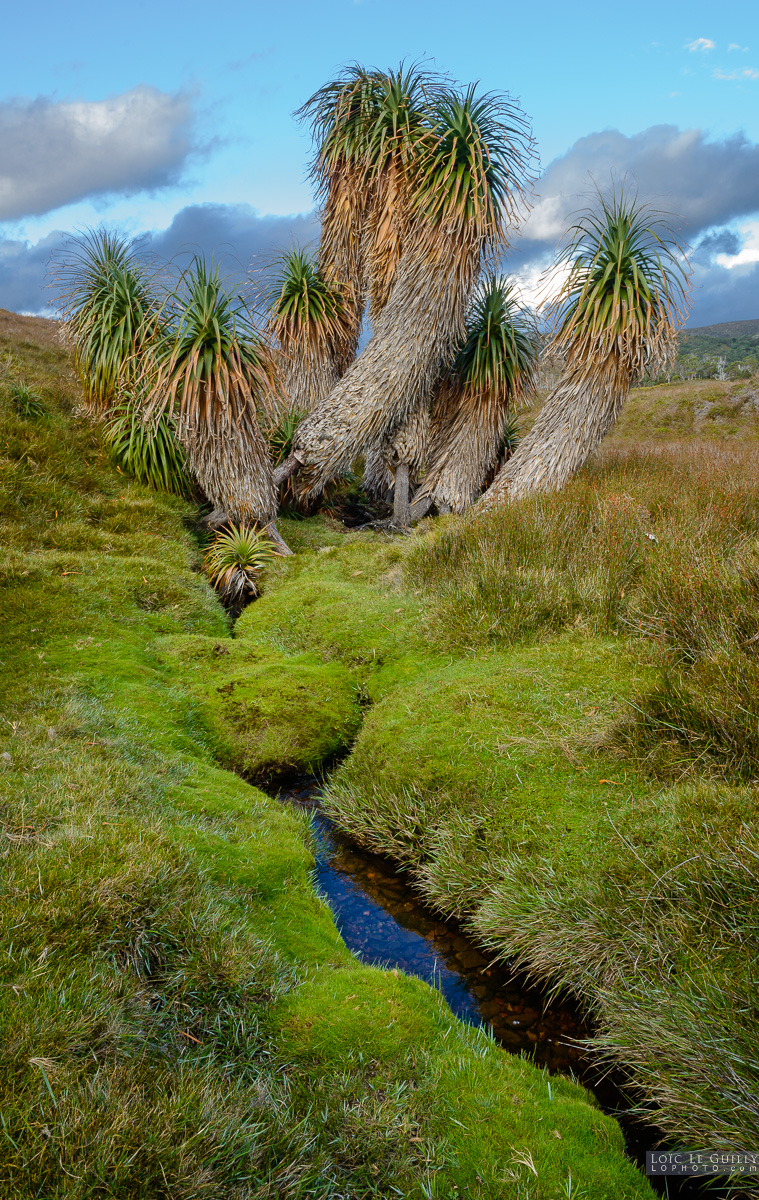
749,251
735,46
746,73
55,153
700,44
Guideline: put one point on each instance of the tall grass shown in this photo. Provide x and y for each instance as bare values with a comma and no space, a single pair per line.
654,542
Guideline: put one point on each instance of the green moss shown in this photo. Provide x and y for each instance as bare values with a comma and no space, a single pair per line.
494,1124
504,746
165,954
267,715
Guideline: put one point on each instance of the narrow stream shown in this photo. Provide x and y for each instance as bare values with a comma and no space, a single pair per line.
385,923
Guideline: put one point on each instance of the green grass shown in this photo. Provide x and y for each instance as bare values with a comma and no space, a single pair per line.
179,1015
559,745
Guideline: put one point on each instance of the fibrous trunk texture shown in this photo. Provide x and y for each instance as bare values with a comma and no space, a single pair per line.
406,444
396,372
571,424
465,439
233,468
342,251
400,495
306,381
378,478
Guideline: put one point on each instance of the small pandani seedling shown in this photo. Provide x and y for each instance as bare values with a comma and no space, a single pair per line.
235,559
27,402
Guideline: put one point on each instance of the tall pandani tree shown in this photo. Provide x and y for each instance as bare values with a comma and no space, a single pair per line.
312,327
366,126
110,314
469,176
616,316
492,375
212,376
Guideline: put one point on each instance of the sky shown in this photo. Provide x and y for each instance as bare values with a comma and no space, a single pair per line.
173,122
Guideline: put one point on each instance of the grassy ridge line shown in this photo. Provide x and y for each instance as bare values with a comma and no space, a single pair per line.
180,1017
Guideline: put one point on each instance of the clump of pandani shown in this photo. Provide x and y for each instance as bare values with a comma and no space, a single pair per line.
234,561
615,316
312,327
492,374
110,314
469,176
211,375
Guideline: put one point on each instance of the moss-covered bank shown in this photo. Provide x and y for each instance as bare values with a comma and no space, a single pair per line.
560,747
179,1016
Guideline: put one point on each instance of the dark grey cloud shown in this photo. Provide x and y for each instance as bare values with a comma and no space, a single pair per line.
705,183
718,241
23,274
234,235
55,153
722,294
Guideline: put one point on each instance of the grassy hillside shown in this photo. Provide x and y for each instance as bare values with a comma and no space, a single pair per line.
179,1015
732,340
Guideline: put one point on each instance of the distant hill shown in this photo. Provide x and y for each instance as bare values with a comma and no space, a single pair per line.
733,341
727,330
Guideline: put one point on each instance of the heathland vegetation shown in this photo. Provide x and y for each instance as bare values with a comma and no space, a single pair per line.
543,697
179,1014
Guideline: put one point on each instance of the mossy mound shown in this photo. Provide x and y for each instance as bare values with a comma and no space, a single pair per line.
268,715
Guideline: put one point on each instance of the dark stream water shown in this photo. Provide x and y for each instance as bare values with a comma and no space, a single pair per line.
385,923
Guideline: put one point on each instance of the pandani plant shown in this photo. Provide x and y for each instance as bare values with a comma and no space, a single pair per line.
110,314
366,125
211,376
469,175
492,375
234,560
615,316
150,452
312,327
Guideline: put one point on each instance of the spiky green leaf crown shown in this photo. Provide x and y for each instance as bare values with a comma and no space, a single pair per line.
302,297
475,164
499,353
215,362
213,325
110,312
624,296
367,116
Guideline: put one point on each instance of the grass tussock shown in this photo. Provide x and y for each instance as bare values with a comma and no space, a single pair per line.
657,543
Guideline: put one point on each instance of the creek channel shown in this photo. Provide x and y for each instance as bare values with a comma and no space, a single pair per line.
385,923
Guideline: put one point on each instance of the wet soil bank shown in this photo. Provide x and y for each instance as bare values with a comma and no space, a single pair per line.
385,923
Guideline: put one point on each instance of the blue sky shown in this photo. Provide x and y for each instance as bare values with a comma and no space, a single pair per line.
175,120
